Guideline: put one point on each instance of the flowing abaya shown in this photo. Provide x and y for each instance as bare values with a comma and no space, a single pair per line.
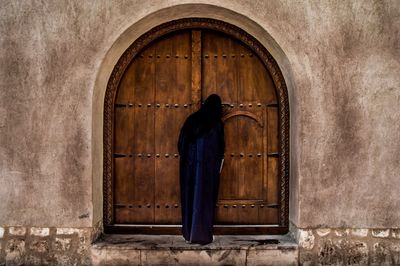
200,162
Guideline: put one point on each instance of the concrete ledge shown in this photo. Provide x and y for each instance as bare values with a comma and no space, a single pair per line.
172,250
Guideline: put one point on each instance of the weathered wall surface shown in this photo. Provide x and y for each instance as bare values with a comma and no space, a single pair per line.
344,65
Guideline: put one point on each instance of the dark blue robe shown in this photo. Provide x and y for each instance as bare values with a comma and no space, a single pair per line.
200,162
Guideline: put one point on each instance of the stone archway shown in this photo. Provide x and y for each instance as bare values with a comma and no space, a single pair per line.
200,11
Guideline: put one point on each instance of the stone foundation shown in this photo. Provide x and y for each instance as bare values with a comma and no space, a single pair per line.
348,246
46,245
317,246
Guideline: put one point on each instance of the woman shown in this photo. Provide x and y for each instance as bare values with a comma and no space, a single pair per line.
201,149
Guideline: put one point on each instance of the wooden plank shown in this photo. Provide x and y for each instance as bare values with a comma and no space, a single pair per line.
273,133
255,83
173,86
196,67
250,166
228,188
219,67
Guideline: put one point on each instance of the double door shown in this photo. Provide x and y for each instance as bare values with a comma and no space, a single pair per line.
162,86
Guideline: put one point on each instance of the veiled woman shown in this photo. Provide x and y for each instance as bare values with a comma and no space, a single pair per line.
201,148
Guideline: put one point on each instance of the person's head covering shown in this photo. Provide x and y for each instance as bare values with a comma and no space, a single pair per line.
212,108
202,121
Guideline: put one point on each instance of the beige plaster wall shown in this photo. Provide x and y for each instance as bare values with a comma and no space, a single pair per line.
340,59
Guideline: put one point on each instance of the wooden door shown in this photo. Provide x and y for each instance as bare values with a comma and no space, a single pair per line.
164,84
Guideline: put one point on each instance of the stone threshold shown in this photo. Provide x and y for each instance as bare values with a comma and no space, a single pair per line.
173,250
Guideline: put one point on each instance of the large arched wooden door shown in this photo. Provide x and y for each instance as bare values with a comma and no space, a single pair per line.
163,84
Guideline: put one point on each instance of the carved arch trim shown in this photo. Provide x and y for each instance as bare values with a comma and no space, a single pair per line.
193,23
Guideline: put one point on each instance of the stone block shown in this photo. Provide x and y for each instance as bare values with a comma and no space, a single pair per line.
40,231
272,257
1,232
193,257
380,233
17,231
342,232
395,252
396,233
38,260
62,259
66,231
306,239
39,246
323,231
122,257
98,256
354,252
343,252
15,252
359,232
381,255
62,244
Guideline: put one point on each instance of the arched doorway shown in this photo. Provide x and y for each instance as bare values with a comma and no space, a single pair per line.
156,84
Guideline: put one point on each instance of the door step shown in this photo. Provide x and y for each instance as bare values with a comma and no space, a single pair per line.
173,250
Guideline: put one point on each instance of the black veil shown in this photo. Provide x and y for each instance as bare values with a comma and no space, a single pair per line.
202,121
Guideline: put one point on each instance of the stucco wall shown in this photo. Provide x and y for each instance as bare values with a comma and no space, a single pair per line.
341,61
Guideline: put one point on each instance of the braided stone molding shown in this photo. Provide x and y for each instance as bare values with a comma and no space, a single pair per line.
196,23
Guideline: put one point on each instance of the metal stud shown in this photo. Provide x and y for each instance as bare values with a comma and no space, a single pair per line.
130,105
242,55
250,155
231,105
168,56
148,205
158,155
234,205
224,55
262,206
243,206
139,155
259,104
148,155
150,56
176,205
176,105
167,105
258,154
139,206
130,155
158,56
252,205
166,206
250,104
233,56
176,155
186,56
225,206
140,105
167,155
241,154
149,105
215,56
241,105
206,56
158,105
130,206
232,154
185,105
